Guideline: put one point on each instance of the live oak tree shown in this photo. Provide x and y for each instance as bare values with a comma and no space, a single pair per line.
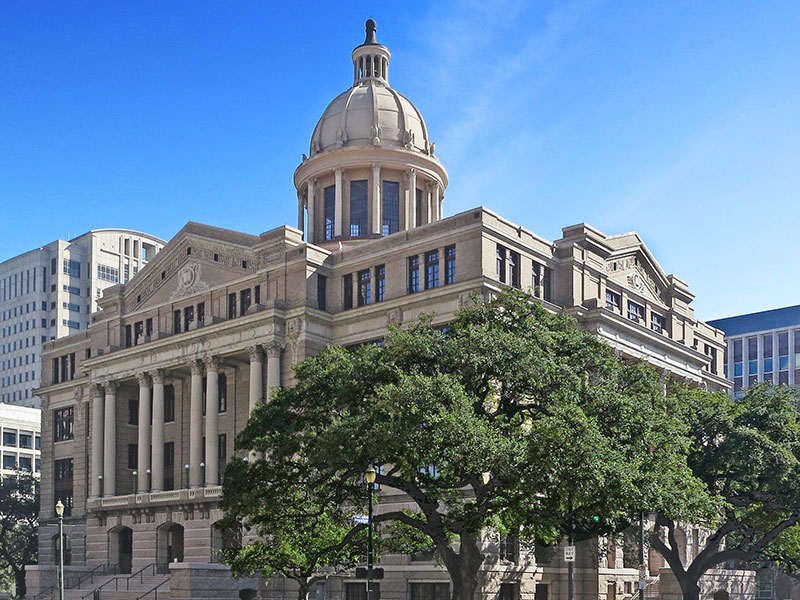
19,510
746,452
510,417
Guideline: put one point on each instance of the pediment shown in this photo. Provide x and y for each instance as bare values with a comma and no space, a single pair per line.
188,265
636,272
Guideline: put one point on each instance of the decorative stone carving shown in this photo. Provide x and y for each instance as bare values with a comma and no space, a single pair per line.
158,375
189,281
255,353
110,386
273,348
375,133
143,379
394,316
408,139
196,367
294,328
635,281
212,363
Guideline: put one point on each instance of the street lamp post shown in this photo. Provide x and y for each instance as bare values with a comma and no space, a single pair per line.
202,474
135,482
60,513
149,481
100,480
186,473
369,475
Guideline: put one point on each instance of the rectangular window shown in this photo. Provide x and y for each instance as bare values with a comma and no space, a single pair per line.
418,204
148,328
330,210
10,462
10,437
509,547
364,287
138,332
26,439
25,463
449,264
188,317
513,267
63,424
658,323
133,411
509,591
501,263
358,208
711,353
201,314
390,200
244,301
380,283
128,336
169,403
232,305
62,484
413,274
357,590
431,269
635,312
176,321
348,291
613,301
430,591
72,268
71,306
222,383
223,447
133,456
106,273
322,292
752,348
72,289
169,465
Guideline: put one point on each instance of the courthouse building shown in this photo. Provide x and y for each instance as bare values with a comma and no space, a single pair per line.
50,292
137,435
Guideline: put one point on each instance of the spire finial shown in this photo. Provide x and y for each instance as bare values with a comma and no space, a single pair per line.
371,26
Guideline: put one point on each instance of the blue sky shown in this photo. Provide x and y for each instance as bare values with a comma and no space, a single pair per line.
680,120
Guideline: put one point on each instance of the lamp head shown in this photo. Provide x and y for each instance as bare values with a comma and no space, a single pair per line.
135,473
60,508
369,474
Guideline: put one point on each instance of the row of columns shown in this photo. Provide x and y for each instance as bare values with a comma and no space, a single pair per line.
104,419
432,197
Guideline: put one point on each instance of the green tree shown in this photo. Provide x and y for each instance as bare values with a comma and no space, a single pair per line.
19,511
746,452
299,538
510,418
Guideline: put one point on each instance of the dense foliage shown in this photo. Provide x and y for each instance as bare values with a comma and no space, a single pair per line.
510,418
19,511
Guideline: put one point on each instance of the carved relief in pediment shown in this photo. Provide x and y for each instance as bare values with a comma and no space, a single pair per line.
630,272
189,281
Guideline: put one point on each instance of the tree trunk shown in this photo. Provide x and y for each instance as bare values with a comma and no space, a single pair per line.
689,587
19,578
463,567
302,590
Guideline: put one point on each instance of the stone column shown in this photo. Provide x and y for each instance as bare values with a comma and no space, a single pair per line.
157,466
256,381
311,211
338,212
143,440
110,439
300,213
377,207
98,424
412,199
196,424
437,207
273,367
212,420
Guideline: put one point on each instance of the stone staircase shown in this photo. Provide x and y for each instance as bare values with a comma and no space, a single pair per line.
147,583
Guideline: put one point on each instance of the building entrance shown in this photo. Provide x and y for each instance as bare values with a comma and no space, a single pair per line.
169,545
120,548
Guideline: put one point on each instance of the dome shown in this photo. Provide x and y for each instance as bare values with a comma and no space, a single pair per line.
371,113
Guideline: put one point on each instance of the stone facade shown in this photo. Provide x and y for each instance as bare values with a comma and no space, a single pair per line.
173,364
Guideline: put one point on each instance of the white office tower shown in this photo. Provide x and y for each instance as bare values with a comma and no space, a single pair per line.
52,291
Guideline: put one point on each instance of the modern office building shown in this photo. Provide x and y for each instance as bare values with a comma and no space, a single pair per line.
762,347
137,436
51,292
21,440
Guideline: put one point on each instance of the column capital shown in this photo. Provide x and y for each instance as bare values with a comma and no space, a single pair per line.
96,389
143,379
273,348
110,386
376,166
411,172
196,367
255,353
339,171
158,375
212,363
313,181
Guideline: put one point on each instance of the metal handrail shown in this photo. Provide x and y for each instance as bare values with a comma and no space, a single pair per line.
155,589
652,581
73,582
97,589
140,574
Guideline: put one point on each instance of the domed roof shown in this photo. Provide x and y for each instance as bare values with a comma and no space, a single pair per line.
371,113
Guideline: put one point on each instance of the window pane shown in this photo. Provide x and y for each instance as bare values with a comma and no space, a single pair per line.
358,208
391,207
330,210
